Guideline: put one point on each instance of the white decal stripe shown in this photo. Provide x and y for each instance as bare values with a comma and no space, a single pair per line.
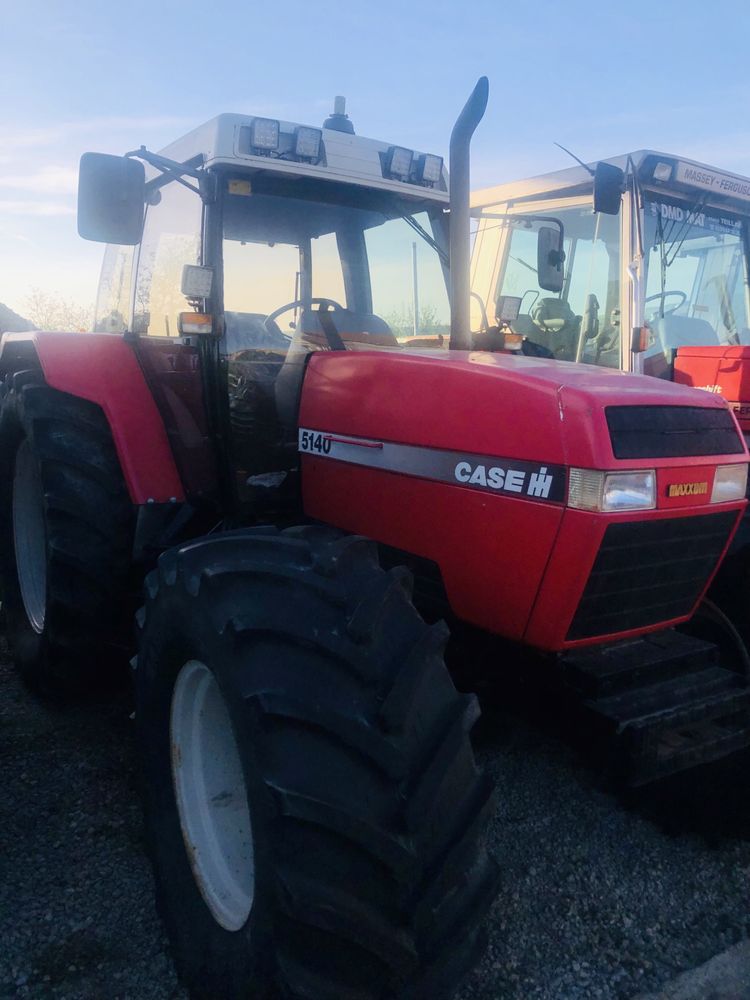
533,480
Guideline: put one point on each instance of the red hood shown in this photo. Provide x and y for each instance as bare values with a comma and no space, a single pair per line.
493,404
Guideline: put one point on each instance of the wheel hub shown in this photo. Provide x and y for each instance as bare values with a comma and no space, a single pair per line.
211,796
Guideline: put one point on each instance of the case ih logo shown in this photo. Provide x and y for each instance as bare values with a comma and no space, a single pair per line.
537,483
687,489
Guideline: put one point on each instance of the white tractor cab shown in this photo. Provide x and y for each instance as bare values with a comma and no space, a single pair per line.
654,258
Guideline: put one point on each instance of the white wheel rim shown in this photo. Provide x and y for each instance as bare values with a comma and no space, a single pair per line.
211,796
29,536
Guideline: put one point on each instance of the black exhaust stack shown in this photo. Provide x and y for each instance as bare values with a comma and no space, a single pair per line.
463,130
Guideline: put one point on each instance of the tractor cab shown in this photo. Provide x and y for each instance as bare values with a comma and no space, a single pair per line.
262,243
265,241
655,264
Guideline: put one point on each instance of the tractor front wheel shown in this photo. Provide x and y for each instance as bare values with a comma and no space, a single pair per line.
314,813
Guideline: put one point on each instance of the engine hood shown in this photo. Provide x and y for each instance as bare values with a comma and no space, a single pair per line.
462,461
486,404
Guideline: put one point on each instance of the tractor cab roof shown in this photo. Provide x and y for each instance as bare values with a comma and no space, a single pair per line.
665,172
251,145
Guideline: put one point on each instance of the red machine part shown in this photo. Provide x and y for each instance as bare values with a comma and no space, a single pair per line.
103,368
511,563
723,370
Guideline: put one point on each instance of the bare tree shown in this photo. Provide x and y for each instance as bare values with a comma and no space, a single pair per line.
50,311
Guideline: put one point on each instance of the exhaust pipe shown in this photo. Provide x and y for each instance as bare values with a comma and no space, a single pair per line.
460,283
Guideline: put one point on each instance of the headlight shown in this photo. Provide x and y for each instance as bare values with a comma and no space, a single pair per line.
730,483
589,489
663,172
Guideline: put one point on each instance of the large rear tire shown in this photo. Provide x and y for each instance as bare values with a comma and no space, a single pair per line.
66,530
314,813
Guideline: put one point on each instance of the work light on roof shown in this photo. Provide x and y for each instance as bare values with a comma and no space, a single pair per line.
264,133
663,171
429,169
307,142
398,162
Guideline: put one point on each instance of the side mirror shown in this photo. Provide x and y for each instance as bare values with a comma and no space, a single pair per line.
609,184
111,196
549,259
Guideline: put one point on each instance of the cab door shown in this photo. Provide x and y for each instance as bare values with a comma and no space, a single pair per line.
174,366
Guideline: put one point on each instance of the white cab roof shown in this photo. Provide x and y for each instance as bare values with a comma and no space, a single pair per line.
577,180
349,158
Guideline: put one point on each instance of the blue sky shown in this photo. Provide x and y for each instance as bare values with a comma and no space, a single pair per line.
601,78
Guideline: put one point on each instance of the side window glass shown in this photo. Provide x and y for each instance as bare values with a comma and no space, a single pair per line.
520,277
328,281
171,239
408,284
112,313
259,278
583,321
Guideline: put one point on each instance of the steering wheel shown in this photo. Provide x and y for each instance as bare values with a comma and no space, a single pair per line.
660,296
298,303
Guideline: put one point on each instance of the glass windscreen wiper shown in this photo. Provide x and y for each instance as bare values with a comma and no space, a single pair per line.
669,246
442,254
523,263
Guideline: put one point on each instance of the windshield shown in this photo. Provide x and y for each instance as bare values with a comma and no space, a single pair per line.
323,268
697,275
378,271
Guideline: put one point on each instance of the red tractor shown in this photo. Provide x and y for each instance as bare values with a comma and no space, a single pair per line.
249,432
654,278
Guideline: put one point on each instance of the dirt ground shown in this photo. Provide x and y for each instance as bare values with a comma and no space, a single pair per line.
602,898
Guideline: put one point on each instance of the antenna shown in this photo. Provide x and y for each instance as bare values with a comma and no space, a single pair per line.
573,156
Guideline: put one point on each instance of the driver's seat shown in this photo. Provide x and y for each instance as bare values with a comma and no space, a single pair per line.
357,331
557,327
674,331
362,329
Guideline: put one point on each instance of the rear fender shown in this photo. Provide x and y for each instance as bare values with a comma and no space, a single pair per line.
103,369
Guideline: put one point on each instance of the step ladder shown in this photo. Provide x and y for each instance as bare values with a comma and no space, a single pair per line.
661,703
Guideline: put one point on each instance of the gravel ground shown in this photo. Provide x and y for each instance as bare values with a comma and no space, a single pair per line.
602,899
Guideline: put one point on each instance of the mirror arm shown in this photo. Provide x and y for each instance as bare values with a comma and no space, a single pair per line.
480,214
163,163
545,218
171,170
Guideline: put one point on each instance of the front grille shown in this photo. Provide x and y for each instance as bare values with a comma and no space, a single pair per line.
671,431
648,572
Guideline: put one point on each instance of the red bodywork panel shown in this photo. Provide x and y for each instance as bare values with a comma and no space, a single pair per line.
511,563
103,368
724,370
